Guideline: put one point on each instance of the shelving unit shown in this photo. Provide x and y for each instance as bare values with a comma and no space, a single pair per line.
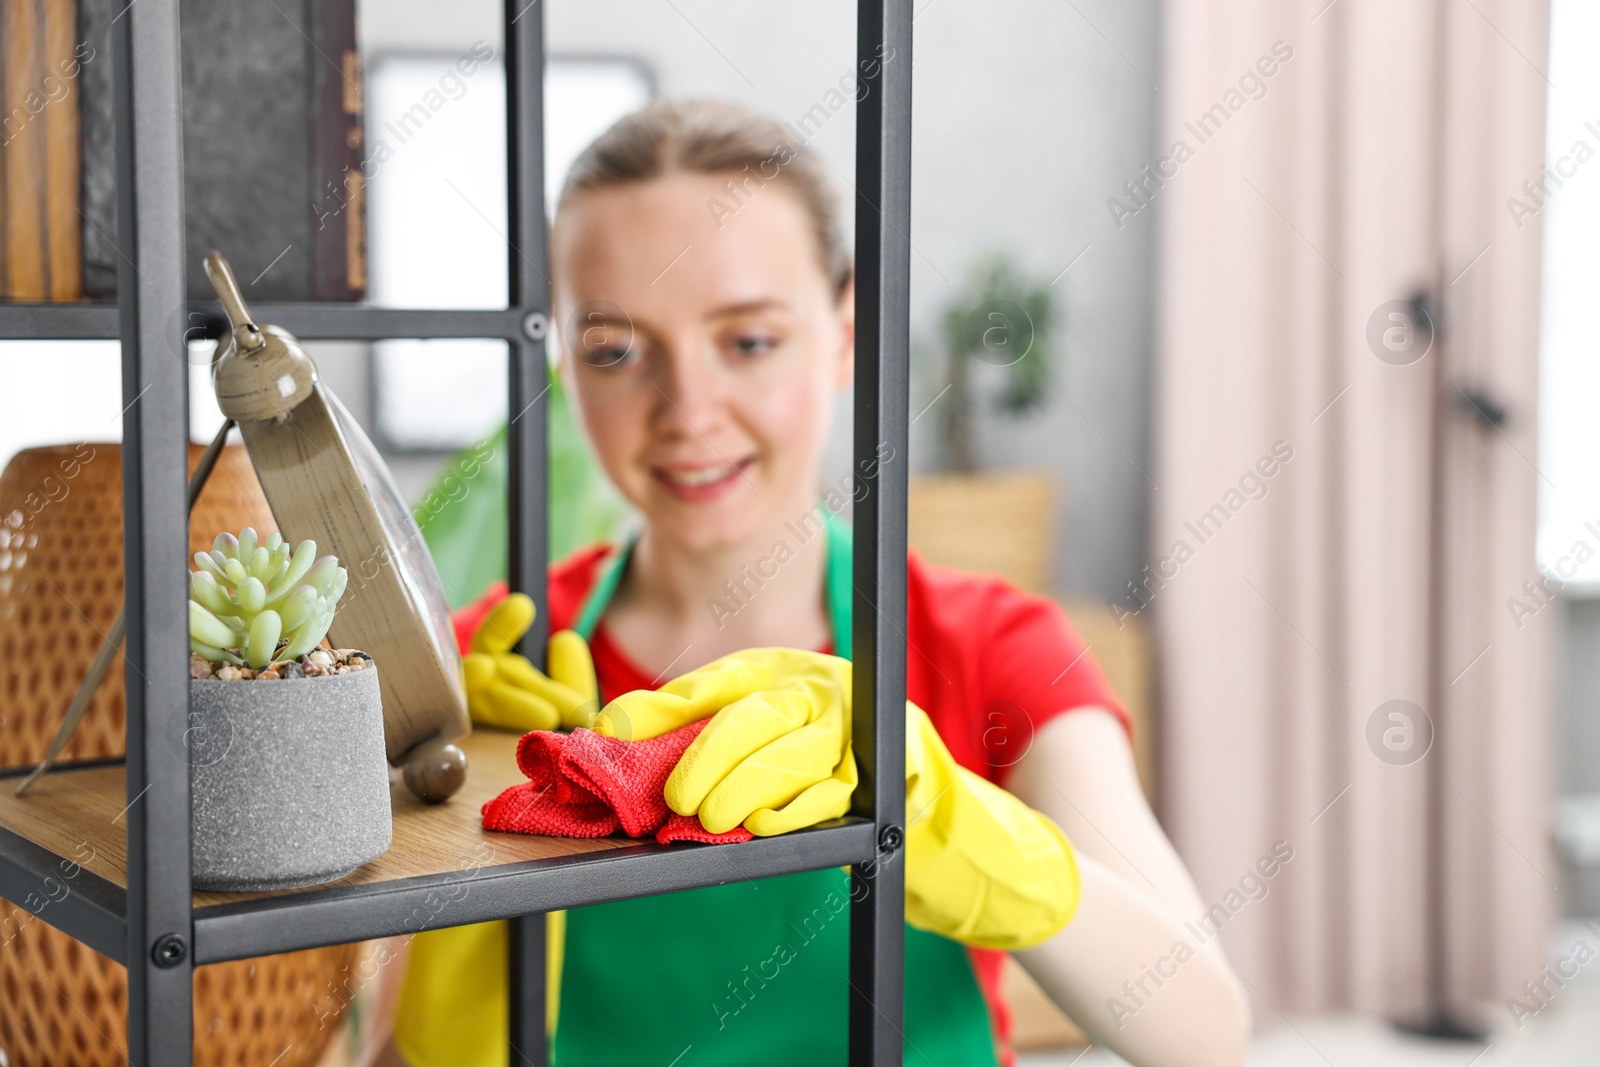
134,902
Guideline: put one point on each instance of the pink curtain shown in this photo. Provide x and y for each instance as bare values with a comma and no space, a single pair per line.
1316,555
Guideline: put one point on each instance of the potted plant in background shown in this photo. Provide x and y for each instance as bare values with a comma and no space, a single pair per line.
289,781
997,347
998,343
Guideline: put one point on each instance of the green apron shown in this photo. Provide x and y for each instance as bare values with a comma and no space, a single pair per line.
749,972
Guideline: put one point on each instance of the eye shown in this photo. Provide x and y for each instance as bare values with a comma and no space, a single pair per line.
607,356
605,345
753,344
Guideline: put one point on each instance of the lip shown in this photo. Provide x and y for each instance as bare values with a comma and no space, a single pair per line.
669,478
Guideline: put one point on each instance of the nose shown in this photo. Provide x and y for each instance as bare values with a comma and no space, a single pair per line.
692,393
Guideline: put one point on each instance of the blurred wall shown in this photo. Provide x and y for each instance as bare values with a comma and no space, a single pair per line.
1028,118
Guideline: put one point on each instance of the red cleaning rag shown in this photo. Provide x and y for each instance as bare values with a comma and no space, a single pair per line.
584,785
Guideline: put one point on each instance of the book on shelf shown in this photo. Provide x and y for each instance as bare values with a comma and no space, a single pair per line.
41,59
272,136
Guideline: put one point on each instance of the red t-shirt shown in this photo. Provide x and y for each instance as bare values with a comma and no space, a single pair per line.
989,663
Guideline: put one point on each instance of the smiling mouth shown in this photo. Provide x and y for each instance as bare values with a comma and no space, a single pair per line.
698,480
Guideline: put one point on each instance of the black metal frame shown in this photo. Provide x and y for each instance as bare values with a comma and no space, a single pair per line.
152,926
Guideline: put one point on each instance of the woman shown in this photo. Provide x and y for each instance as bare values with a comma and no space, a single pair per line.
706,291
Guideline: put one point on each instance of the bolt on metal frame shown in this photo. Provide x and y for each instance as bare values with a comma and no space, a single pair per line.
152,926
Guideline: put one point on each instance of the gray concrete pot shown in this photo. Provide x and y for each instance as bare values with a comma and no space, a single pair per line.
289,780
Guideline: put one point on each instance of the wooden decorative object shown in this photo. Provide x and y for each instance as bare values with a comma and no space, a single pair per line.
998,522
60,590
325,481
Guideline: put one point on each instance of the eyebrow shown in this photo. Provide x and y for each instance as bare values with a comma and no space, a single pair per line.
745,307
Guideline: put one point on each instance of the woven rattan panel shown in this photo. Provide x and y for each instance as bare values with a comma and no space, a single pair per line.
66,1006
61,584
61,1004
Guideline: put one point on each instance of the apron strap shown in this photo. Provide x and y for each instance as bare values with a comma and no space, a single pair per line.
841,583
600,595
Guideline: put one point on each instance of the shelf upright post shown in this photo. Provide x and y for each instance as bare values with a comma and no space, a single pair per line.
878,642
527,437
149,131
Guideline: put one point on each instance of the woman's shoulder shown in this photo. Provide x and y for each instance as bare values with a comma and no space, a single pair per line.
975,598
999,629
1007,651
570,579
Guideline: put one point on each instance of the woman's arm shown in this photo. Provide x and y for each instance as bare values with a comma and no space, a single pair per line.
1126,969
1080,772
1116,970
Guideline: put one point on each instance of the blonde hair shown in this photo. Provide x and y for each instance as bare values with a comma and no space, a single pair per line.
716,137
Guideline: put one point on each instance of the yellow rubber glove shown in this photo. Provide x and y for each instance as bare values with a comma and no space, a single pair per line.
504,689
776,756
981,866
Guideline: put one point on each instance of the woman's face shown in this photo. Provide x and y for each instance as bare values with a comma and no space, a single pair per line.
704,349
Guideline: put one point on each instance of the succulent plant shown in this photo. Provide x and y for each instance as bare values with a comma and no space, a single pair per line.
251,604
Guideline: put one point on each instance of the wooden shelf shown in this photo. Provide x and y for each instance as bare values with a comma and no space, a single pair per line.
443,868
77,815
